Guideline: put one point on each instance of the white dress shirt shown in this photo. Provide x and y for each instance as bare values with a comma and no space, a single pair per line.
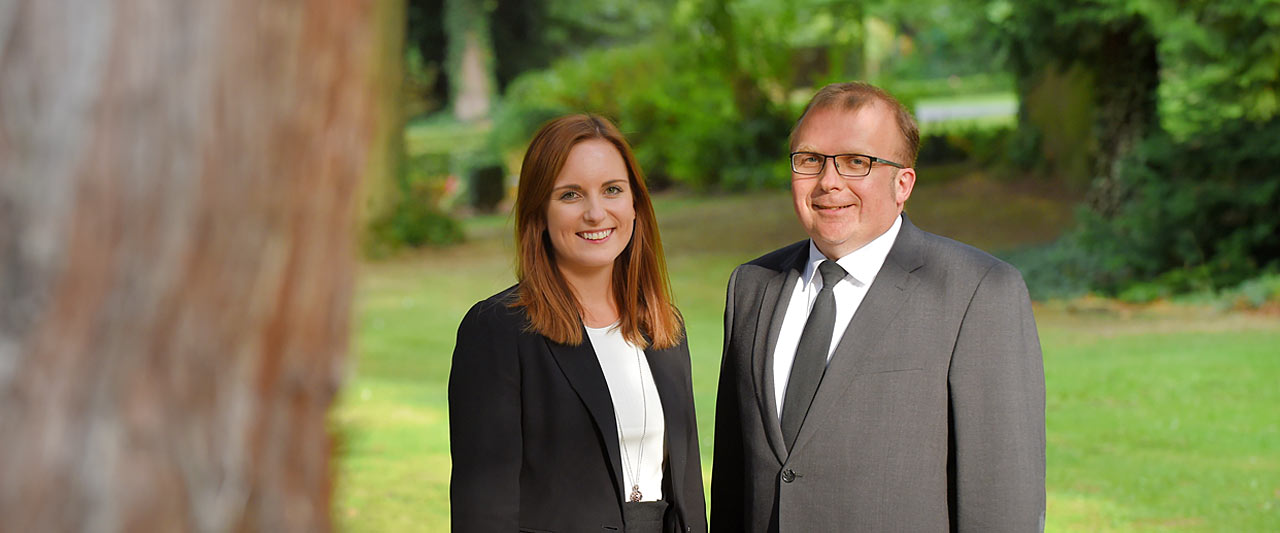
861,266
637,409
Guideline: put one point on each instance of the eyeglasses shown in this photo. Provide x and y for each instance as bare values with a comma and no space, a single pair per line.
847,165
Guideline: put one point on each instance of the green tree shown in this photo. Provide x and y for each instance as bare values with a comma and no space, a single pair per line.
1183,106
1095,47
1142,66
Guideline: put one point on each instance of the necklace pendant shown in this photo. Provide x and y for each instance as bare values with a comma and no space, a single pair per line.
635,492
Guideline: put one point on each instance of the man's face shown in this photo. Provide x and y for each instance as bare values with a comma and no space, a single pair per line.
842,214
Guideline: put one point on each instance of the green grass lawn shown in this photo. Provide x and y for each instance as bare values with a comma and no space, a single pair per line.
1158,419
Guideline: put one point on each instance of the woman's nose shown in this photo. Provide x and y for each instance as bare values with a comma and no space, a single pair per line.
595,210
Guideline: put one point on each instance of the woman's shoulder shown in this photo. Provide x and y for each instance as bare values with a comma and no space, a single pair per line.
495,311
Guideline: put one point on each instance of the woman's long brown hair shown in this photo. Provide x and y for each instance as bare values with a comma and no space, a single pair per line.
640,285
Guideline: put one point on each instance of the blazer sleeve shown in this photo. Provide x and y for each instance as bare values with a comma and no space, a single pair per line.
997,402
694,499
728,467
484,422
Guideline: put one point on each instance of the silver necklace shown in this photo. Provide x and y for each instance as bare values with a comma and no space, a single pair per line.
644,431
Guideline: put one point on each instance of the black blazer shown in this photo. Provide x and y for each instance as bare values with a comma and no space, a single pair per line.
533,437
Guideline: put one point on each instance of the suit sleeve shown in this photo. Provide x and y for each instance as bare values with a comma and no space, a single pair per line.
484,423
728,464
997,403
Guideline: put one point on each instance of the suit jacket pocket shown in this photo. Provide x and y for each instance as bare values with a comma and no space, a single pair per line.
891,362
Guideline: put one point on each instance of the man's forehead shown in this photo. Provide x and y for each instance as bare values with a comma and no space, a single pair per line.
846,135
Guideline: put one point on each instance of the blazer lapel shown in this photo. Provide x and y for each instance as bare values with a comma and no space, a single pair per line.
667,378
583,371
773,307
868,328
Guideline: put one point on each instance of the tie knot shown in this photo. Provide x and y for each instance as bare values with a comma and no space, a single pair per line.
831,273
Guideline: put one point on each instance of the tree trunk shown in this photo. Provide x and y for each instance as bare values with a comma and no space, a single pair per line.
470,59
1087,100
1126,79
178,185
382,184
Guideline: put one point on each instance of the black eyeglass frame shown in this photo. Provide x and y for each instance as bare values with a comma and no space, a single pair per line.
825,157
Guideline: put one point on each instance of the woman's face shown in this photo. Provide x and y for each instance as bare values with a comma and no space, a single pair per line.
591,214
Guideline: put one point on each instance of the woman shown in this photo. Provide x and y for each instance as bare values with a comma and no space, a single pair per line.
570,399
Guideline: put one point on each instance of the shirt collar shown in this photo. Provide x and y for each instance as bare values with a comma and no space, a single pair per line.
862,264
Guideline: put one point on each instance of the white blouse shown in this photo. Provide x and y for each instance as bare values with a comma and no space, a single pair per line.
626,370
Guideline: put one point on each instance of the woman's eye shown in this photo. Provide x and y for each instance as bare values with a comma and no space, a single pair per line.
613,190
569,195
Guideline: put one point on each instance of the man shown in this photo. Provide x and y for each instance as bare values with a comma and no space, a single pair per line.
875,376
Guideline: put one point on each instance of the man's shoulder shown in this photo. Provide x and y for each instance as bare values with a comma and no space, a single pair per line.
950,255
779,259
759,271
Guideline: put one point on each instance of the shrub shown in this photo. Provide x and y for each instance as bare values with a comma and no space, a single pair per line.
1199,215
1061,269
415,221
419,216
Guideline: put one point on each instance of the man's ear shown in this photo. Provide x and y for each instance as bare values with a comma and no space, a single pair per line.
903,184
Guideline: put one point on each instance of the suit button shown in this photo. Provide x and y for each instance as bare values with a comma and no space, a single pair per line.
788,475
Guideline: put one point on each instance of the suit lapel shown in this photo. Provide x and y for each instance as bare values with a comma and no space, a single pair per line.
583,371
773,308
869,326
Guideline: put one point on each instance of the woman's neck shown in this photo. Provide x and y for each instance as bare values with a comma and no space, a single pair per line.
594,292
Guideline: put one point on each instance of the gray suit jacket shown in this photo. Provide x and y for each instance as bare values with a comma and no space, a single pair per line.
930,416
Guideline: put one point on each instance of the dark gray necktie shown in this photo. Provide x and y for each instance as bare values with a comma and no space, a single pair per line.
811,354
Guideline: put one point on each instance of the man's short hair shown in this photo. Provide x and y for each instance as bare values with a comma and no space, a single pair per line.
854,95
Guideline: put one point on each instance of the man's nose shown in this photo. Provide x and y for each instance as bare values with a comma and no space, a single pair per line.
829,178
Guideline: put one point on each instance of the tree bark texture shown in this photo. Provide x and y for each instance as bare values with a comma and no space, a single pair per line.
178,190
1127,78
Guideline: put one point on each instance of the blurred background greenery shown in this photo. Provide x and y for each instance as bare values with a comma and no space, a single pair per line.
1124,154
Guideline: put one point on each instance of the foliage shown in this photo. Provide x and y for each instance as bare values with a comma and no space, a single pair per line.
1255,293
1184,203
426,84
1061,269
428,183
414,222
683,124
709,102
1219,61
1201,214
931,40
420,81
525,35
530,35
